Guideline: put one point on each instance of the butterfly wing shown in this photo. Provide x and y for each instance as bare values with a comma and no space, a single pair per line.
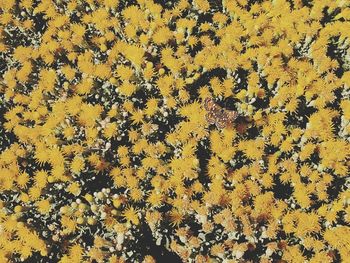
210,117
209,104
211,109
229,118
218,116
221,119
220,123
231,115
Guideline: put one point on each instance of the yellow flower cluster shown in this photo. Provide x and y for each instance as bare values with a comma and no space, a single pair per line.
107,142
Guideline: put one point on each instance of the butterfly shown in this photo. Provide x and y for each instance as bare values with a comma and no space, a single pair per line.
217,115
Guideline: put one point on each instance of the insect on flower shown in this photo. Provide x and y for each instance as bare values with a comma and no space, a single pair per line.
217,115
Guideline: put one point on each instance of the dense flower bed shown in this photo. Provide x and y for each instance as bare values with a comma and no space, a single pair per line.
175,131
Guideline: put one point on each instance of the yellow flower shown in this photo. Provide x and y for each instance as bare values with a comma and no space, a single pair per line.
22,53
184,95
55,156
173,64
124,72
69,132
44,206
216,168
22,180
148,73
110,130
307,223
306,151
338,237
302,196
253,149
148,259
155,199
74,188
34,193
132,13
292,105
151,107
102,71
68,72
76,253
47,80
320,125
134,54
131,215
162,35
133,135
96,254
217,250
93,158
77,164
149,162
127,88
333,153
84,87
23,74
41,178
137,117
286,145
176,218
293,254
123,151
6,179
73,105
69,225
130,31
202,5
171,102
192,41
125,161
89,114
136,194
